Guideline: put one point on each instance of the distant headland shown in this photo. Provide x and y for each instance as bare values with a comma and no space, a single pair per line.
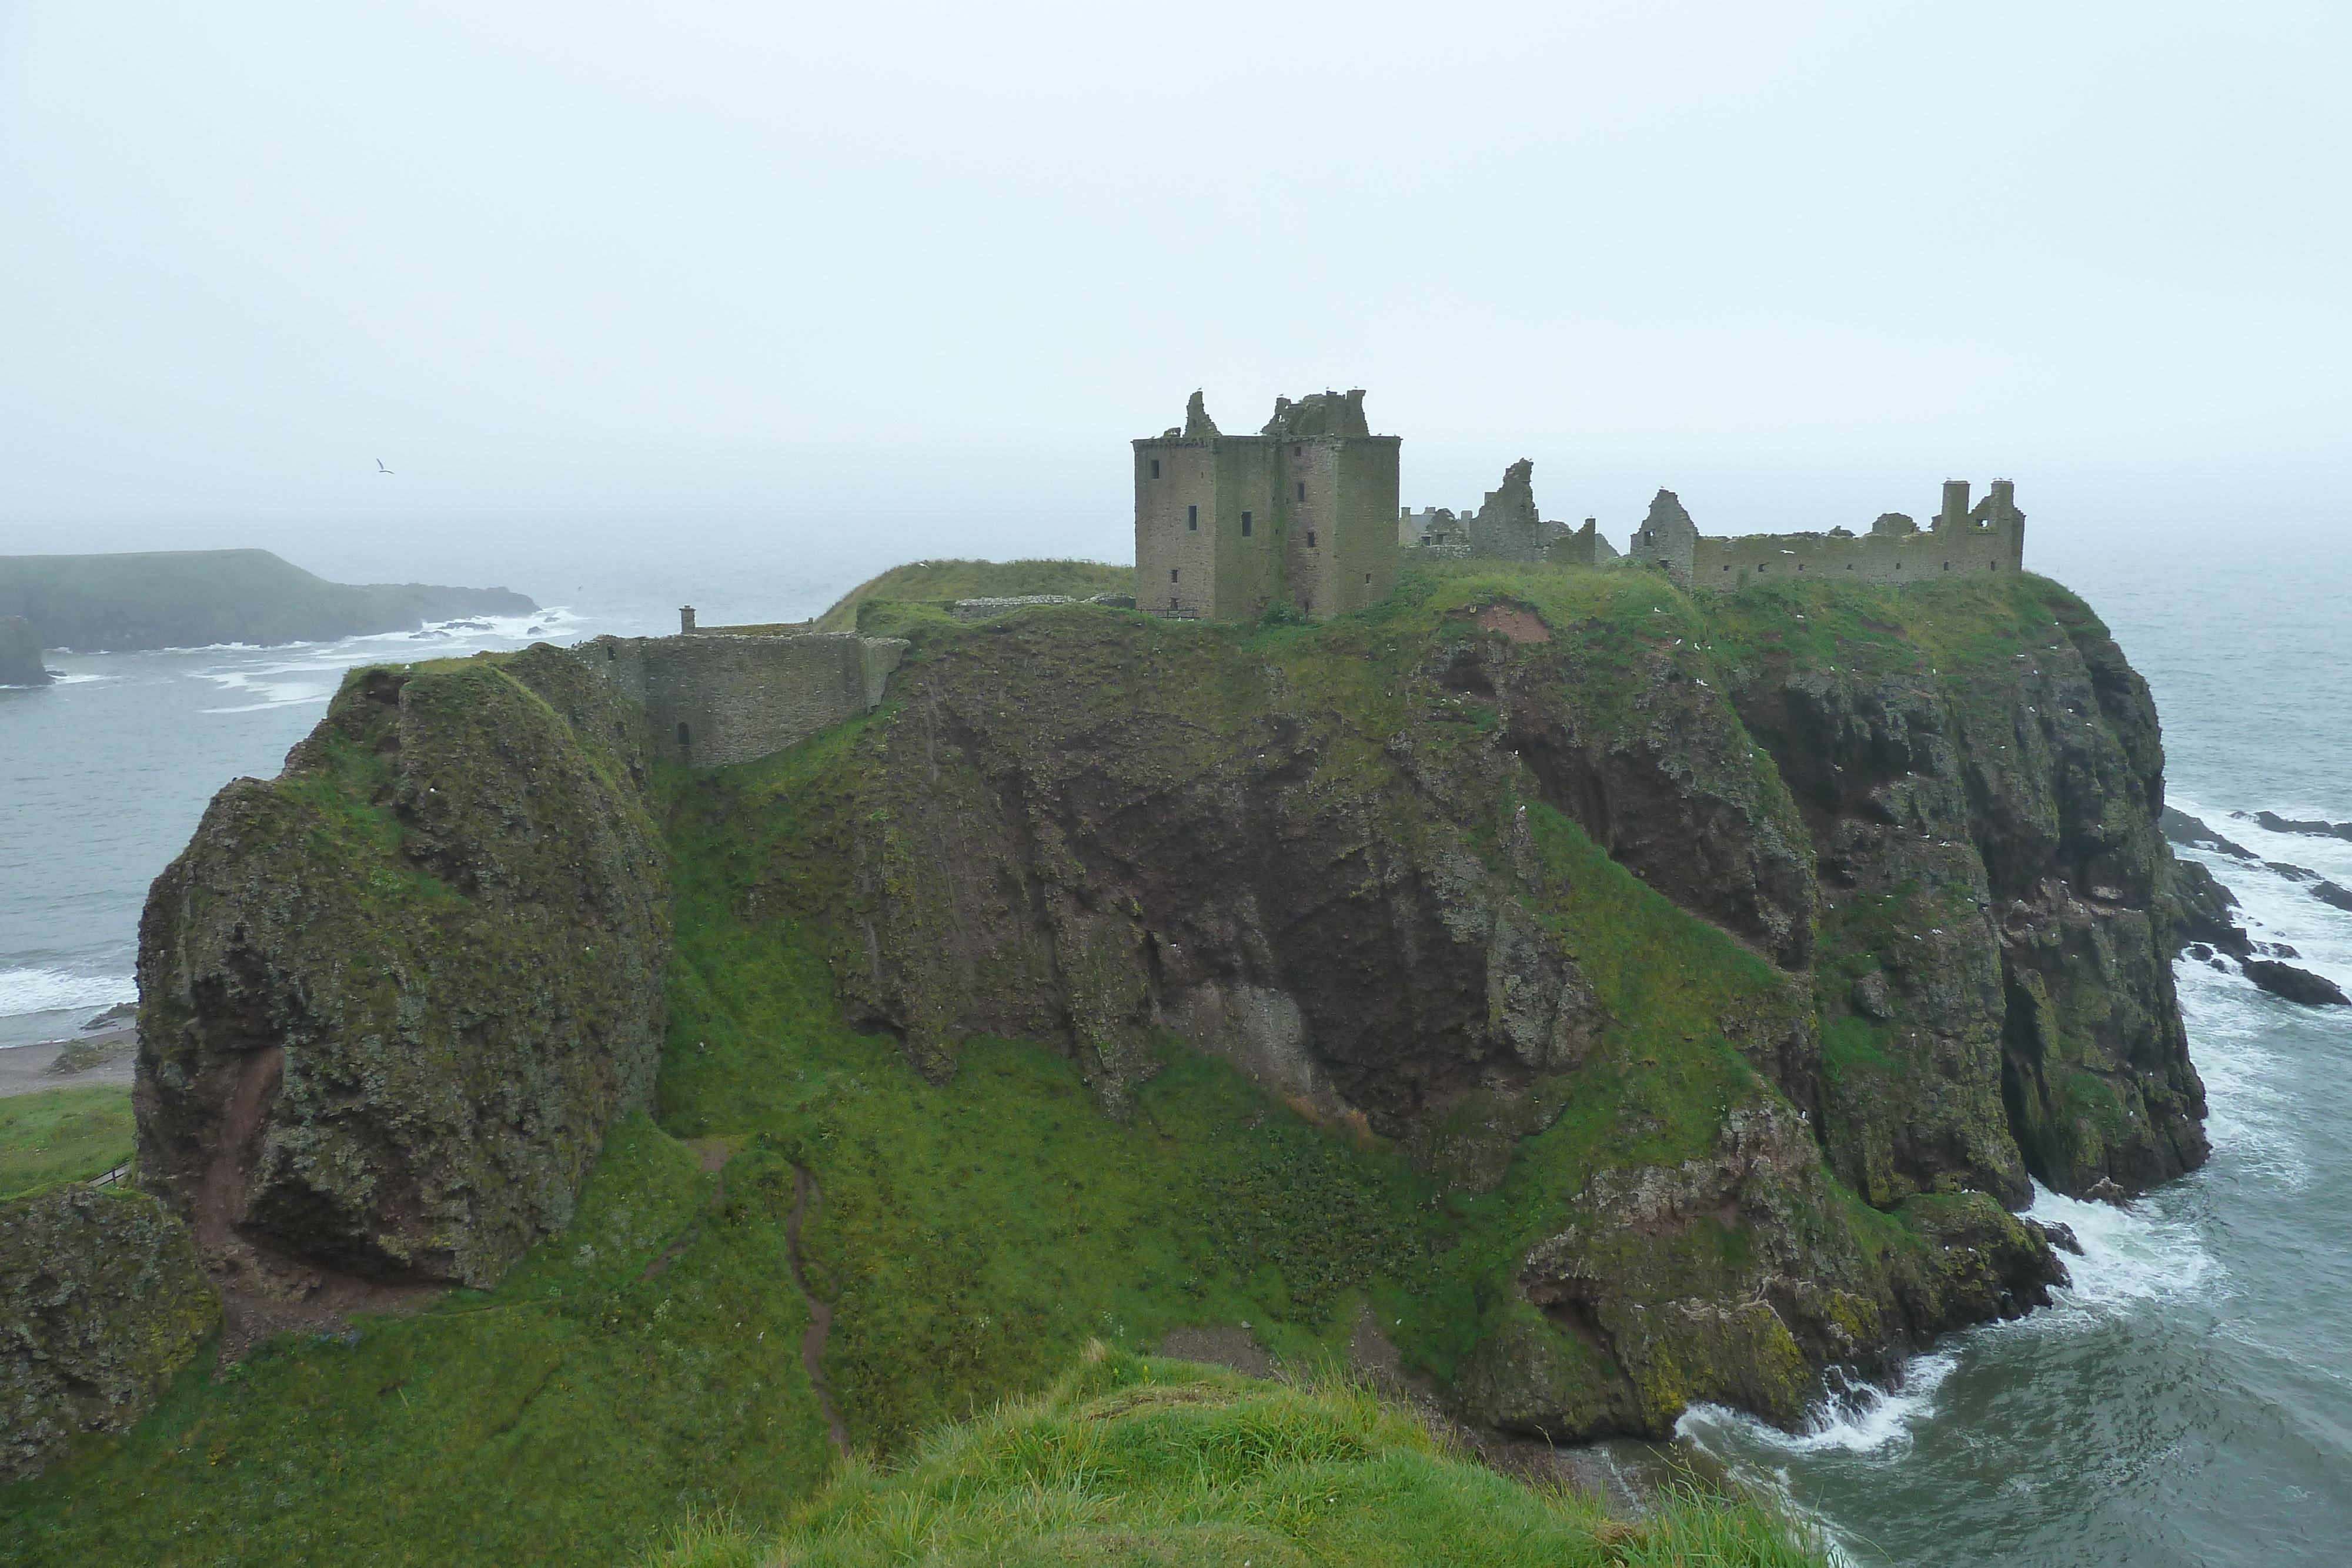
191,598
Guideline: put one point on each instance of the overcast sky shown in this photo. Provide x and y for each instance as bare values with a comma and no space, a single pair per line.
914,274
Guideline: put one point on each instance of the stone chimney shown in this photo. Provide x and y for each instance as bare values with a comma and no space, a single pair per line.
686,620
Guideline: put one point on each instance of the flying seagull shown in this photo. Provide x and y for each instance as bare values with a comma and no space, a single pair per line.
380,467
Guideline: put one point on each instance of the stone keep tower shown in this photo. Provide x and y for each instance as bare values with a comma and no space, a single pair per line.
1303,510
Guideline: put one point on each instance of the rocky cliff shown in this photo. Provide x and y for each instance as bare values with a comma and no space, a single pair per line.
20,654
1894,935
190,599
1721,969
390,999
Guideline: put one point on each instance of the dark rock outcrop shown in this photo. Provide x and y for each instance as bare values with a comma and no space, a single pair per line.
2201,908
2296,984
2316,830
101,1304
392,1000
2191,832
1987,840
20,654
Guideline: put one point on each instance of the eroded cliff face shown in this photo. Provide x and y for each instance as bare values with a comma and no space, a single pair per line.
1996,997
1723,965
391,998
1752,951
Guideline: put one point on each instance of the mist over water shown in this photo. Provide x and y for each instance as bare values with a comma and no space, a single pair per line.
2186,1402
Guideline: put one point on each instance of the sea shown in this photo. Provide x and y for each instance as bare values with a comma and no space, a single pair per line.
2186,1401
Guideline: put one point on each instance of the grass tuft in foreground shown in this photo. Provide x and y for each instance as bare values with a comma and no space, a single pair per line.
1134,1460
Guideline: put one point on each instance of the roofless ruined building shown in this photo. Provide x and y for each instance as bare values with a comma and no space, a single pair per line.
1305,512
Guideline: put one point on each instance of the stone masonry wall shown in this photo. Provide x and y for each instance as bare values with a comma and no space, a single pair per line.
1892,557
714,700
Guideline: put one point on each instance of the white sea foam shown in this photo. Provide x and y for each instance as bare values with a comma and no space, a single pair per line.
272,691
55,990
1859,1417
269,687
82,679
2130,1253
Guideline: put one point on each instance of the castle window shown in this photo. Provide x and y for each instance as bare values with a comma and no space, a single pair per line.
1193,518
1302,490
1171,574
1155,469
1992,566
1948,566
611,651
1245,524
1726,565
1367,577
1310,539
1298,452
685,736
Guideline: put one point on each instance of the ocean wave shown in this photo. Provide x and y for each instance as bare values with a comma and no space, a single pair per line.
56,991
2132,1253
269,692
1859,1417
509,628
78,679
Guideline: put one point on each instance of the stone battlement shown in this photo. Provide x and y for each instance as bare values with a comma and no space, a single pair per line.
715,698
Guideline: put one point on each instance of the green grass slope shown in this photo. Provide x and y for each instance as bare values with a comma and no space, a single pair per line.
936,582
1158,1464
62,1134
182,599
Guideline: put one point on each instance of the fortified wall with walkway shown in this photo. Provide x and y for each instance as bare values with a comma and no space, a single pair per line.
732,694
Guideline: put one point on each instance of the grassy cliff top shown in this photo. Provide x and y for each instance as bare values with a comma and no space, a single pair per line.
937,580
1128,1459
156,599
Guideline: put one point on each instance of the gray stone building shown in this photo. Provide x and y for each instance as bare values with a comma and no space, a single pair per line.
1303,512
1988,537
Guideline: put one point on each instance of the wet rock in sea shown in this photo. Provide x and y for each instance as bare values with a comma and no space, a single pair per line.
2315,829
2296,984
2332,894
2201,911
2183,829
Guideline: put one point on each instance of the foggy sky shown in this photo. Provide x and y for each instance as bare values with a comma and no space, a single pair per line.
914,274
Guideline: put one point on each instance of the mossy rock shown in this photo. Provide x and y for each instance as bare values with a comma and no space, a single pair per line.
101,1305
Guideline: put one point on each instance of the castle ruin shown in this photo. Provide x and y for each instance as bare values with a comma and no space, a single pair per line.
1987,537
1302,513
1504,528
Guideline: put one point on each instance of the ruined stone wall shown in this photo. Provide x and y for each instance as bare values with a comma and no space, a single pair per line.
1360,564
1891,558
1175,527
1226,525
1252,524
714,700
